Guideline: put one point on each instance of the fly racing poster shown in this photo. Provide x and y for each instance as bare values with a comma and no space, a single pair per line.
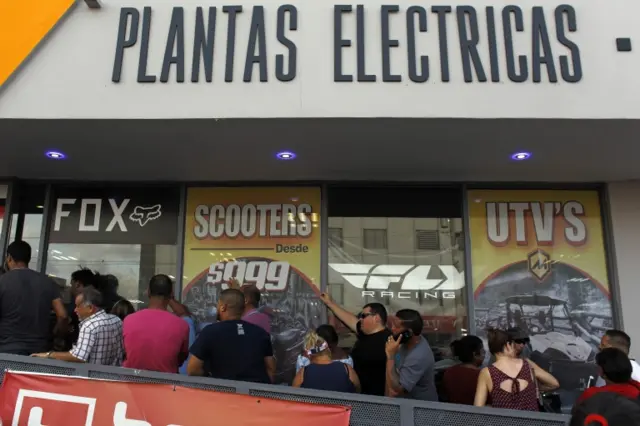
538,263
269,237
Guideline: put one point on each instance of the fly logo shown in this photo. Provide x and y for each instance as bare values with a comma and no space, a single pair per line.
376,280
23,26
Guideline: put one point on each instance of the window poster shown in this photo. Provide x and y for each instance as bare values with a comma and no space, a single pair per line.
269,237
538,263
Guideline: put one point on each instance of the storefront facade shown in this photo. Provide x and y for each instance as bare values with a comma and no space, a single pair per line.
389,153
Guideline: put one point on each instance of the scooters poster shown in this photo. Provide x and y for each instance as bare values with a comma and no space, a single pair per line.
269,237
538,262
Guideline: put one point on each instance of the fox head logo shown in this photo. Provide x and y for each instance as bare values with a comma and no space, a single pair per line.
143,215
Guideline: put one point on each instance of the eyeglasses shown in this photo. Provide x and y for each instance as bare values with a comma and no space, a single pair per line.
523,341
363,315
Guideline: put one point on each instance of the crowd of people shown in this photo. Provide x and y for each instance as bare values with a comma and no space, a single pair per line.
391,357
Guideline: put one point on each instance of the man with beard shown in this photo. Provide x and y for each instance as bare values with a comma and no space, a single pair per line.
369,356
231,348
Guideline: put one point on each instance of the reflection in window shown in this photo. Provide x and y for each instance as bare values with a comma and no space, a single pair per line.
375,239
26,225
132,264
402,254
335,236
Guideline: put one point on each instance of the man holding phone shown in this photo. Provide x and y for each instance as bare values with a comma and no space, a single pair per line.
410,361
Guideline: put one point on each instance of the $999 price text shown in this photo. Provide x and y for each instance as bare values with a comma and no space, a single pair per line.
269,276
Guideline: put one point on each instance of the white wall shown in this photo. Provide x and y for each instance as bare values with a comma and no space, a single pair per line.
71,75
625,212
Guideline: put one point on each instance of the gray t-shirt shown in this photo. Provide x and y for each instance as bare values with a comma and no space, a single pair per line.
415,369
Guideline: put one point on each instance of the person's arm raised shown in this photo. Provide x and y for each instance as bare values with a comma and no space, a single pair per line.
349,319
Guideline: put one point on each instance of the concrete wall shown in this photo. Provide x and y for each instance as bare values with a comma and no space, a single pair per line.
625,212
71,75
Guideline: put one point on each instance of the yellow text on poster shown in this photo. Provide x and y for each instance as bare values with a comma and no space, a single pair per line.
537,226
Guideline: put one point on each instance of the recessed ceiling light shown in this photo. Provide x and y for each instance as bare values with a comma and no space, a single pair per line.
55,155
285,155
520,156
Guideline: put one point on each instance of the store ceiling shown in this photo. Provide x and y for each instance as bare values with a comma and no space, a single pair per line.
328,149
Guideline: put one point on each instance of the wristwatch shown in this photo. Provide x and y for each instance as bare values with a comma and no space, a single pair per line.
49,354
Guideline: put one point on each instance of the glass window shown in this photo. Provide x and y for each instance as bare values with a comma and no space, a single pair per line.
375,238
132,264
26,223
4,189
539,264
403,252
335,237
130,233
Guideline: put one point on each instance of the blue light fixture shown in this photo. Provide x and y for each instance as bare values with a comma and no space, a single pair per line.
521,156
285,155
55,155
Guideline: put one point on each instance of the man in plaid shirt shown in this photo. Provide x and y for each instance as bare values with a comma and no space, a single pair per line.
100,338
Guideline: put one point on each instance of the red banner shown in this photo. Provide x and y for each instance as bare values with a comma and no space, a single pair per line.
37,400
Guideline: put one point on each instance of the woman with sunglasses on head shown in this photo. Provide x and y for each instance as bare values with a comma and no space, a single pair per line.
510,382
322,373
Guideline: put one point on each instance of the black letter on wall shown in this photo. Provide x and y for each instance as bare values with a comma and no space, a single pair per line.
442,12
176,36
256,35
123,41
360,43
565,9
493,48
203,45
541,36
143,77
291,47
508,44
411,44
387,44
339,43
231,40
469,46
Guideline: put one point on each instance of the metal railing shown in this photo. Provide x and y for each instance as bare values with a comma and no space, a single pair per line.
366,410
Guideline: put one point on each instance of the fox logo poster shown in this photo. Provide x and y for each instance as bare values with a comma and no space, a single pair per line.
115,216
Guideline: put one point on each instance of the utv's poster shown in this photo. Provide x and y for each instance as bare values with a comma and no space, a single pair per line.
539,264
269,237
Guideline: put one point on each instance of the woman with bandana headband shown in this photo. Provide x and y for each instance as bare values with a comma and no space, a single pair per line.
329,334
322,373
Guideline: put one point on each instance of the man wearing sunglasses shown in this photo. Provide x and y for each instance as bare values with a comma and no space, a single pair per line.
368,354
522,342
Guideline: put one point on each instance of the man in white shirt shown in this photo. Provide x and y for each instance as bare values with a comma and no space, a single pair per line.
620,340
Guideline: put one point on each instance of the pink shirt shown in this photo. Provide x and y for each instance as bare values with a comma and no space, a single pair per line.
258,318
155,340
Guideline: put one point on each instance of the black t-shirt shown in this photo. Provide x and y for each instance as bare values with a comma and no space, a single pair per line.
26,298
370,360
234,350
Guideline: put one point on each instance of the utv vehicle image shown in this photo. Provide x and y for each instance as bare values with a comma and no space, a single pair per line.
555,332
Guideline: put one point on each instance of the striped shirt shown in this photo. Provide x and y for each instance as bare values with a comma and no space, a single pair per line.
100,340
